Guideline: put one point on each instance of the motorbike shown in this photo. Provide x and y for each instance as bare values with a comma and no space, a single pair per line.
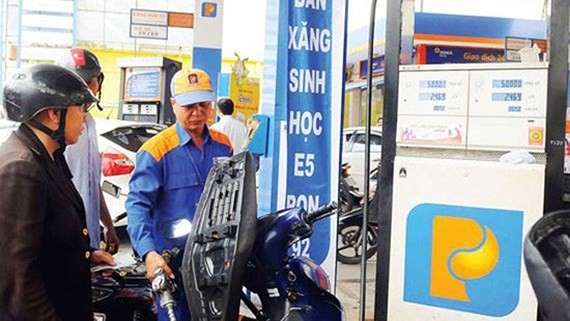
230,248
547,260
350,236
124,295
349,195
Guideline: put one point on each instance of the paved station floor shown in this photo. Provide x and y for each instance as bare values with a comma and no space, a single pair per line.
348,289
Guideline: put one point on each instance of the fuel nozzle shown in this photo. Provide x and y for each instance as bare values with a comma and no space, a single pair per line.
165,287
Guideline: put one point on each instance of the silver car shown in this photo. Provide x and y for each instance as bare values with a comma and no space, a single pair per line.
354,147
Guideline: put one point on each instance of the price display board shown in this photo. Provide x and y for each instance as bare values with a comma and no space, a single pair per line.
143,84
433,93
508,93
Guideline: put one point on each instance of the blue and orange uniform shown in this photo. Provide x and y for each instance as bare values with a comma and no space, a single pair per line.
166,186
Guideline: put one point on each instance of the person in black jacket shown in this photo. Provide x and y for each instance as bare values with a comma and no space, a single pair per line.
45,255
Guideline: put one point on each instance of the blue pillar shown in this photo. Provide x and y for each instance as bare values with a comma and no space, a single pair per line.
207,50
303,91
273,87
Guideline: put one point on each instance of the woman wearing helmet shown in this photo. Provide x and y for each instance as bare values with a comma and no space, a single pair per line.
84,159
45,258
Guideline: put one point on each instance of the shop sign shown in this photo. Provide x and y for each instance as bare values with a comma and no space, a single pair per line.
151,32
181,19
513,45
154,24
449,54
245,95
149,17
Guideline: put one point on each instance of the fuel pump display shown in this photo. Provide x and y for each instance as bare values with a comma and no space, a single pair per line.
145,89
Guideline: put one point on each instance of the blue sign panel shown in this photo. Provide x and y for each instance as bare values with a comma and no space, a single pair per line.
309,78
377,66
464,258
447,55
144,85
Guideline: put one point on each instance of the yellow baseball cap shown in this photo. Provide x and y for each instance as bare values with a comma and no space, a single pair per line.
190,86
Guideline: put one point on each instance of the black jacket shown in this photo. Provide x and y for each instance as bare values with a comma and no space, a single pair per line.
44,244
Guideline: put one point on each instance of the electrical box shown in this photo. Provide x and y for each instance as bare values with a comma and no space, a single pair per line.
145,89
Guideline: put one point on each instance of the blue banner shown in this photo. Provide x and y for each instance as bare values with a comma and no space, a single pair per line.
377,67
447,55
309,78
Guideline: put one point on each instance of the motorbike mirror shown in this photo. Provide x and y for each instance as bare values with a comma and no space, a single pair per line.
111,189
177,228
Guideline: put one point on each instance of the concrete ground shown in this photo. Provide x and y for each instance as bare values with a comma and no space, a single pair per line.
348,289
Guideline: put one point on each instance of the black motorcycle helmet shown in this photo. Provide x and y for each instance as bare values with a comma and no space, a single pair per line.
85,64
36,88
547,260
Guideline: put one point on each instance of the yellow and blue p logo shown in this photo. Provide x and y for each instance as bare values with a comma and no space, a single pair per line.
463,258
209,9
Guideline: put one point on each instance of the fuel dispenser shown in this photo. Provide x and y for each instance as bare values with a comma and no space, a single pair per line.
145,89
468,183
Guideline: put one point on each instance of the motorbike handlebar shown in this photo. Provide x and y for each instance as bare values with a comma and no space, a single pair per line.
320,213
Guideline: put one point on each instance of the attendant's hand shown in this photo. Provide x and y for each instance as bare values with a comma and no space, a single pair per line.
153,261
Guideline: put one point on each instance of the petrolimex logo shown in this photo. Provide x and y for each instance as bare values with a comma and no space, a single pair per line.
209,9
463,258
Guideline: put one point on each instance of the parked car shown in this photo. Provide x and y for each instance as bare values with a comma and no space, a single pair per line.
118,143
354,147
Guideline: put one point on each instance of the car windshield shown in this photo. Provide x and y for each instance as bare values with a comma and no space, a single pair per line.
132,138
360,140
